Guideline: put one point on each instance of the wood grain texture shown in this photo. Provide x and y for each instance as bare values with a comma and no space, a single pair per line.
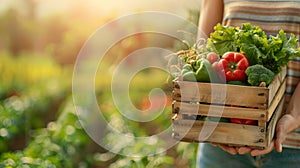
219,111
194,99
238,134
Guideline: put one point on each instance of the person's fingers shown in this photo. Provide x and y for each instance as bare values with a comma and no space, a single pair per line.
257,152
228,149
278,146
284,125
244,150
280,137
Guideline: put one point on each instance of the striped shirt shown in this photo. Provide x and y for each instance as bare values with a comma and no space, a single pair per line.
271,16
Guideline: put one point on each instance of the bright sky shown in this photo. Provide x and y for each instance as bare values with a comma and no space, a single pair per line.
103,7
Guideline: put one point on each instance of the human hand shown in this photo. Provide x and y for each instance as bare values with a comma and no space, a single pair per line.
244,150
229,149
285,125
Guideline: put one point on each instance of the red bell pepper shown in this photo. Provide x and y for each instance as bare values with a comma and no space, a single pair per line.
234,66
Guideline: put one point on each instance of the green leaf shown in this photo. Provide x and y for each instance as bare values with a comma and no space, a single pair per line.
222,39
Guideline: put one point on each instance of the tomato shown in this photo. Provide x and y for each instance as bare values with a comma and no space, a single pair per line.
212,57
218,67
243,121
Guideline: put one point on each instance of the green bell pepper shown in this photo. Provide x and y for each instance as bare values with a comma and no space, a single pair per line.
202,73
187,73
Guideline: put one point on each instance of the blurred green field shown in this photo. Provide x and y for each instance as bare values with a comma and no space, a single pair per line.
40,127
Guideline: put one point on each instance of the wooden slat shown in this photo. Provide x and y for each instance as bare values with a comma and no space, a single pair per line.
221,94
273,121
276,99
262,123
223,111
276,83
228,133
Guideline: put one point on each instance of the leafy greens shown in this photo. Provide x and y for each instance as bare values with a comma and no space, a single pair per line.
273,52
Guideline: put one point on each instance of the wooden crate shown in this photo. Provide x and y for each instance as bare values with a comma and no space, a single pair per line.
194,99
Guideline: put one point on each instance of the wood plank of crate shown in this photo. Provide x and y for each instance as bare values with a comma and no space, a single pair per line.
272,124
213,93
276,83
218,111
276,99
223,133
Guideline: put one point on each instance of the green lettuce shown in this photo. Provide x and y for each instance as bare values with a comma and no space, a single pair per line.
222,39
273,52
